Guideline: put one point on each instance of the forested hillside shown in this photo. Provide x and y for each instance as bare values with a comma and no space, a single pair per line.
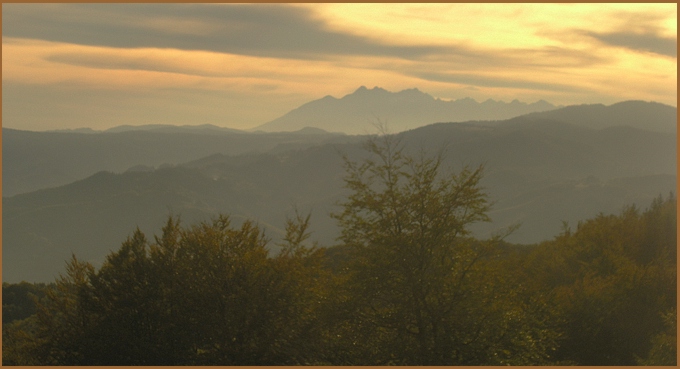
406,285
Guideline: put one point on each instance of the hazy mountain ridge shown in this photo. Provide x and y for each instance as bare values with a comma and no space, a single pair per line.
357,112
538,172
650,116
36,160
169,128
204,128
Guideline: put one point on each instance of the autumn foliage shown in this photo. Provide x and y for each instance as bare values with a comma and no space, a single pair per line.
406,285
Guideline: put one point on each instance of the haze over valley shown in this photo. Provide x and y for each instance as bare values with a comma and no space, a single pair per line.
79,192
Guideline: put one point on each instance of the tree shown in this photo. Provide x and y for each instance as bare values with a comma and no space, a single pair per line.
19,299
205,294
64,325
613,282
664,351
416,276
306,285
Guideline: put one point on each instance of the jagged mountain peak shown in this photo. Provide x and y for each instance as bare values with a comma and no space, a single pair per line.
356,113
365,89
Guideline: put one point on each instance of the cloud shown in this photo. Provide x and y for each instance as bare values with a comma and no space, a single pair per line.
641,31
482,81
43,107
271,30
646,42
281,56
155,61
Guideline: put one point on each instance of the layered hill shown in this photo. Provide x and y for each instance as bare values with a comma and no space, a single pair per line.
539,172
650,116
38,160
357,112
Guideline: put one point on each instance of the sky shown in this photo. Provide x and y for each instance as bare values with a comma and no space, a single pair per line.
68,66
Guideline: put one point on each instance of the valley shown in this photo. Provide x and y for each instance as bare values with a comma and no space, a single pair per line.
95,189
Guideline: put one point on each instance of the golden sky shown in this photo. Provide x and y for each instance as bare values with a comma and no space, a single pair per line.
241,65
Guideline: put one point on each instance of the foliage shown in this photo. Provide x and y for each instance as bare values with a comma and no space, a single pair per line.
18,300
613,281
423,292
207,294
664,351
19,307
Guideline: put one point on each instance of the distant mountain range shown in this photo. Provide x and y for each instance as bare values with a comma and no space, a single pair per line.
36,160
204,128
356,113
568,164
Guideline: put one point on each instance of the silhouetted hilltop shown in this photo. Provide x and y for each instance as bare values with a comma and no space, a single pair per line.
650,116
